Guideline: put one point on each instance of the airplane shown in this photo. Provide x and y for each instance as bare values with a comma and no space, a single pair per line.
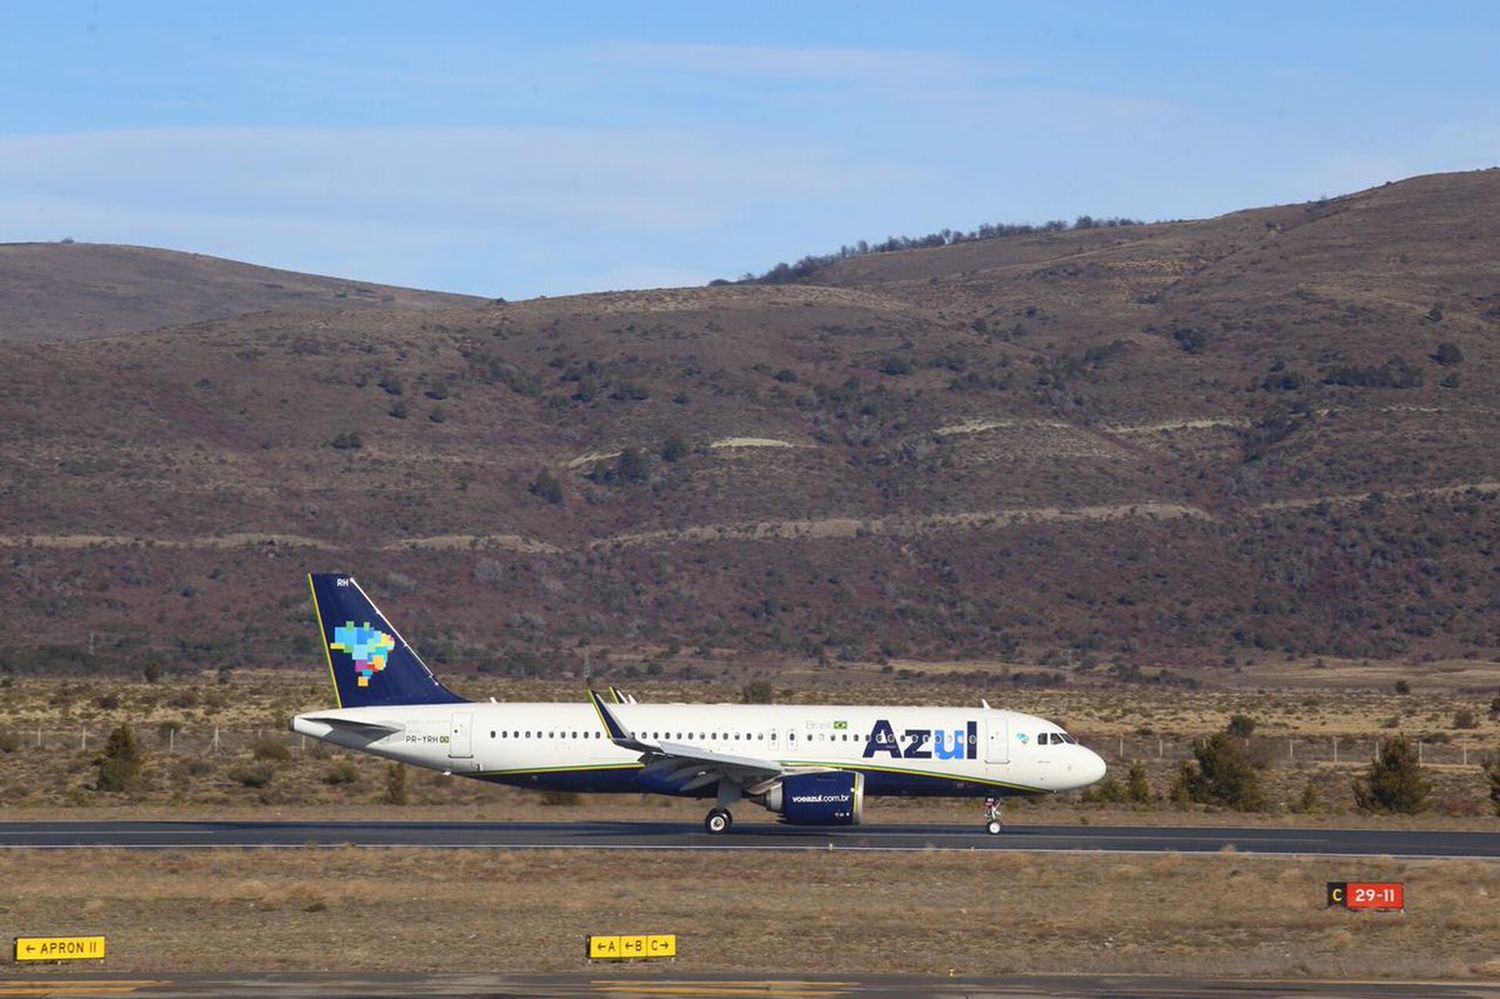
811,765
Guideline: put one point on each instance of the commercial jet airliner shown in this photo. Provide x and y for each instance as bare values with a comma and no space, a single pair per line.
809,764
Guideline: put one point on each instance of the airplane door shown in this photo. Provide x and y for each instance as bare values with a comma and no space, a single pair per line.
461,735
996,741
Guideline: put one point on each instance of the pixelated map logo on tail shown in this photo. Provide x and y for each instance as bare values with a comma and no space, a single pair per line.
367,646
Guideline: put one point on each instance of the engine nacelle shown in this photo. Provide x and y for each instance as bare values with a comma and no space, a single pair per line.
823,799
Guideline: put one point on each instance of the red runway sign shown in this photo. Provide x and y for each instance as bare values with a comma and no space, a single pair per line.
1380,896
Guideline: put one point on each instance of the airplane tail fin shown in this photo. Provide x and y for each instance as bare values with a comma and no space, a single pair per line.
369,661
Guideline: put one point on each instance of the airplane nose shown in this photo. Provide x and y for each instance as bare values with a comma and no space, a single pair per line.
1093,767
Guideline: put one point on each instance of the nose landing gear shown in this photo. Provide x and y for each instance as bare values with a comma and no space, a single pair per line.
718,821
992,823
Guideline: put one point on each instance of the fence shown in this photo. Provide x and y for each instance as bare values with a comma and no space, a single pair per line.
1292,752
1296,751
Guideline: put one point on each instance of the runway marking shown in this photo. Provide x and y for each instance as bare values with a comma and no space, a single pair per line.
81,987
740,987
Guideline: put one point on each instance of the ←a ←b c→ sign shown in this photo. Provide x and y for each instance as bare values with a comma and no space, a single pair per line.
632,948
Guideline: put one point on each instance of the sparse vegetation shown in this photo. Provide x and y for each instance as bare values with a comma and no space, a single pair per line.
120,765
1221,775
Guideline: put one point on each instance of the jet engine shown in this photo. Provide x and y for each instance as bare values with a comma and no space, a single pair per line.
835,798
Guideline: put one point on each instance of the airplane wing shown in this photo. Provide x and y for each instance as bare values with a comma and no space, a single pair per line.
374,730
698,766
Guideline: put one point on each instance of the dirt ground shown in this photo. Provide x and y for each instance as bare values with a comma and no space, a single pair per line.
979,913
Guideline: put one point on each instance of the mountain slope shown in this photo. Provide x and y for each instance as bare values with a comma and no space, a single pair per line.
1268,434
70,291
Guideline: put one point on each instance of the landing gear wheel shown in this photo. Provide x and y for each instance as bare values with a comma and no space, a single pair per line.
992,824
719,821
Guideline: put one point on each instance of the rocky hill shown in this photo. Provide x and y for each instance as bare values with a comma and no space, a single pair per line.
1267,435
70,291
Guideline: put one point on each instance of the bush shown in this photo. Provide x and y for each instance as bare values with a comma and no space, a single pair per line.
120,766
1492,771
1137,787
756,692
253,774
1402,687
395,785
348,441
631,466
1395,783
1108,791
546,487
342,772
151,672
1240,726
9,742
271,751
673,449
1448,354
563,798
399,411
1465,718
1222,775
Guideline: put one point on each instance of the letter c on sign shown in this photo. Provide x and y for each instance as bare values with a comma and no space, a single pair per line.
1338,895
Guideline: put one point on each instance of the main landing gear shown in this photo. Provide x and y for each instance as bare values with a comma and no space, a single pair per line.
718,821
992,824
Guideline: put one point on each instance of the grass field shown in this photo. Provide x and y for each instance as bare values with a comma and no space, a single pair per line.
980,913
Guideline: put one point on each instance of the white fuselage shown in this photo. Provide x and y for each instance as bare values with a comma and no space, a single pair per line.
901,750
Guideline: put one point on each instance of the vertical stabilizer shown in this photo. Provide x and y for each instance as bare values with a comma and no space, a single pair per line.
370,662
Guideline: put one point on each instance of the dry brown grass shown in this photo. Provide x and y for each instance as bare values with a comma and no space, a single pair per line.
990,913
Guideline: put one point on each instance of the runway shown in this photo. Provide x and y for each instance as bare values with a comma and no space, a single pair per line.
766,836
636,985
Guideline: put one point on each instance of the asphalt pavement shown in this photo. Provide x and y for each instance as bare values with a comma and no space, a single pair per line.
745,836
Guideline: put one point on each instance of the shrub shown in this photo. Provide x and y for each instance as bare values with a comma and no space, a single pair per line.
756,692
342,772
546,487
1395,782
1448,354
1240,726
271,751
151,672
348,441
1492,771
1402,687
120,766
1190,340
1108,791
631,466
563,798
253,774
9,742
437,415
1222,775
395,785
1137,787
673,449
1464,718
399,411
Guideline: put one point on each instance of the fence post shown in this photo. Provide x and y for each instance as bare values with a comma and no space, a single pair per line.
216,738
1291,753
171,740
1335,749
1419,751
39,737
1466,755
83,739
1158,747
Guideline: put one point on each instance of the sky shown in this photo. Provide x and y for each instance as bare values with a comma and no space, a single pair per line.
522,149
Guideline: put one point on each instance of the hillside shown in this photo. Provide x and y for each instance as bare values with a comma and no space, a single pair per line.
70,291
1267,435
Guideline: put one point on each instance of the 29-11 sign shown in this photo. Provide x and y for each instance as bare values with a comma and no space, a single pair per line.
1379,896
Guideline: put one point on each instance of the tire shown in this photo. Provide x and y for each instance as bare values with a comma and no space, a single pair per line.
717,822
993,827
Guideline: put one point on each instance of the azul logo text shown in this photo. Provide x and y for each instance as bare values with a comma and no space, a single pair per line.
924,743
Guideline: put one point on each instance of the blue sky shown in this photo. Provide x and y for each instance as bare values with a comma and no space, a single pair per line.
549,148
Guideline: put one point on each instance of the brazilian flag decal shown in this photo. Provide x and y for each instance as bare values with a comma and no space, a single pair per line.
840,724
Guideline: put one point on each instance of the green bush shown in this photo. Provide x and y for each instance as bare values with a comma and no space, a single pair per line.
1394,783
1137,787
756,692
1221,775
395,785
120,766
